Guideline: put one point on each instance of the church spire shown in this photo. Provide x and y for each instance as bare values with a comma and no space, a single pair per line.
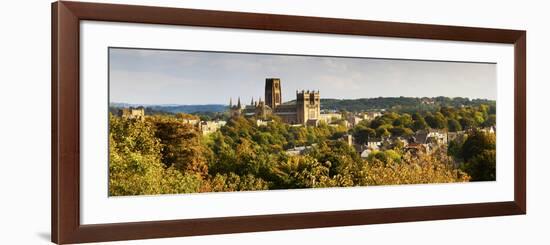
252,101
230,102
239,102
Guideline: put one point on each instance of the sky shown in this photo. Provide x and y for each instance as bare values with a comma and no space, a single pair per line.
144,76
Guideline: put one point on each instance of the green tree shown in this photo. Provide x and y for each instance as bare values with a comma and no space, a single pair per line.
134,158
406,120
453,125
362,134
398,131
408,132
476,143
135,166
343,159
491,121
478,152
467,123
131,172
447,111
382,132
234,182
181,146
303,172
387,156
436,121
410,170
419,124
483,166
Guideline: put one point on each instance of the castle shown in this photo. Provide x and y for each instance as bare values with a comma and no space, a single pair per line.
133,113
306,110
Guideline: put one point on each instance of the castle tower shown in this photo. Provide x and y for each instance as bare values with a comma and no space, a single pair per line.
273,95
308,106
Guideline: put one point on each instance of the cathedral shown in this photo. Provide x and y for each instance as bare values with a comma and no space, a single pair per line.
306,110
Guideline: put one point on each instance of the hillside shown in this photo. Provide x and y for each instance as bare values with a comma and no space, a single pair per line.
402,104
399,103
175,108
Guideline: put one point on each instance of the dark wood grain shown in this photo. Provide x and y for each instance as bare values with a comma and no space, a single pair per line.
65,126
54,139
66,227
520,144
193,227
273,22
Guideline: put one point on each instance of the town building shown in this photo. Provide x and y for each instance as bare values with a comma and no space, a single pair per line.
330,117
353,120
260,122
431,136
428,140
208,127
190,121
371,115
489,130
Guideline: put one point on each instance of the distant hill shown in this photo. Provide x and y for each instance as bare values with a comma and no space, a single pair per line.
402,104
175,108
398,103
189,108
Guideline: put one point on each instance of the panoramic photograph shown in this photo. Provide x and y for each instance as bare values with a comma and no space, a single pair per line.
203,121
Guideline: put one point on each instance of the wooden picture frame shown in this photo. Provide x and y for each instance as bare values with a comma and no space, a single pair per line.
65,174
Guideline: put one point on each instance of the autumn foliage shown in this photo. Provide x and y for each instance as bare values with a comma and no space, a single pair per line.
162,154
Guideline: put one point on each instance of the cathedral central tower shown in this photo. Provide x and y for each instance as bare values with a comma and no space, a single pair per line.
273,95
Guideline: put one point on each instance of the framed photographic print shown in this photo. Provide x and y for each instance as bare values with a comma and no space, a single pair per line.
177,122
